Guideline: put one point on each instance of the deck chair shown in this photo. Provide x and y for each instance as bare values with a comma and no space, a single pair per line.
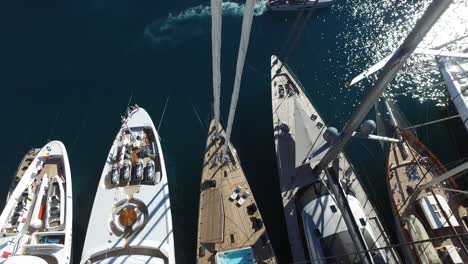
243,198
235,193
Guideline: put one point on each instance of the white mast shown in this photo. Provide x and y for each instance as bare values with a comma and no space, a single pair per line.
216,21
390,69
244,43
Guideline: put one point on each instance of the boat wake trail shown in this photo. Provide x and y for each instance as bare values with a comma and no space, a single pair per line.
191,23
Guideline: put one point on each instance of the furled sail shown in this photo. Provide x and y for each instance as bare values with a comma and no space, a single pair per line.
216,21
244,43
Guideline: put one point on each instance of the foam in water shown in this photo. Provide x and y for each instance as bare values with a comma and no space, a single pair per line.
190,23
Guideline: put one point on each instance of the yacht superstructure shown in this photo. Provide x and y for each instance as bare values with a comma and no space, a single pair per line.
296,5
36,223
131,217
425,213
455,73
307,202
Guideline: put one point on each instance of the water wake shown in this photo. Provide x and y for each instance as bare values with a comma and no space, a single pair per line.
190,23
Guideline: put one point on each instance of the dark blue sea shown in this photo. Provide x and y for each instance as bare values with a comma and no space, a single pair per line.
69,68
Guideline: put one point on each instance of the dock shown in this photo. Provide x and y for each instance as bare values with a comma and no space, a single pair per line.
223,224
299,129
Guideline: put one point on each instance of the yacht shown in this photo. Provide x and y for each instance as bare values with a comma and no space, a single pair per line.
296,5
455,74
318,231
230,226
36,223
131,218
425,209
22,167
327,235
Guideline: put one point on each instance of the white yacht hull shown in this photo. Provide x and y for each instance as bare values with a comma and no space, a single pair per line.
41,230
450,68
298,6
298,130
149,239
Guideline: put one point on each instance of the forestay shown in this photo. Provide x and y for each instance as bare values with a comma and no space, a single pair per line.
244,43
216,21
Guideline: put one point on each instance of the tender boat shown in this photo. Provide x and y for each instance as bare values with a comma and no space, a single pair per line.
295,5
36,224
455,73
131,217
317,230
429,212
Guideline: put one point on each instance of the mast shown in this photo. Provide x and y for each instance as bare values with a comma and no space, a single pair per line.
424,24
244,43
452,173
393,122
216,21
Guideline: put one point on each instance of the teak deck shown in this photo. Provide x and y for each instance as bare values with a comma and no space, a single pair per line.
222,224
405,193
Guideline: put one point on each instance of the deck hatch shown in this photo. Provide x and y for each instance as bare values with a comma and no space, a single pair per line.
212,223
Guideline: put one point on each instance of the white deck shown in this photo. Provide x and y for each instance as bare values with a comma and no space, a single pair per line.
455,73
22,245
295,112
154,243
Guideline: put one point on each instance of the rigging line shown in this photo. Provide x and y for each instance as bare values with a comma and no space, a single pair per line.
299,33
417,89
244,43
129,100
84,121
216,22
198,116
164,112
291,32
390,70
54,124
386,247
450,42
433,122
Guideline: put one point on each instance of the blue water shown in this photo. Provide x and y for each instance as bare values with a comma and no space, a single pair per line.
68,69
241,256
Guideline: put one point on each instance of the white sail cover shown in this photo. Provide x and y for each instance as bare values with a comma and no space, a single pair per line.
216,21
244,43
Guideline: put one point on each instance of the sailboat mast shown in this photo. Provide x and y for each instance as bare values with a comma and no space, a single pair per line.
244,43
393,120
216,22
452,173
424,24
